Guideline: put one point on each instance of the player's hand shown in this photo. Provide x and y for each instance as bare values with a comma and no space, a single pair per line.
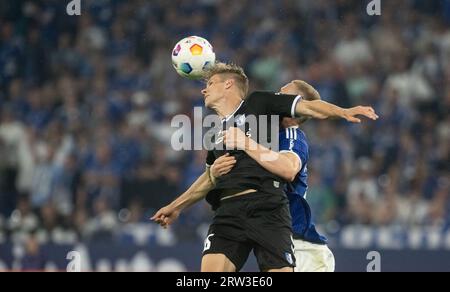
235,138
166,216
367,111
223,165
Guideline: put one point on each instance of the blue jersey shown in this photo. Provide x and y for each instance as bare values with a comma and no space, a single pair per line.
293,140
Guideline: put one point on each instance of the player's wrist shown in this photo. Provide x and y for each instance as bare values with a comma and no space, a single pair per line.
343,113
177,207
213,176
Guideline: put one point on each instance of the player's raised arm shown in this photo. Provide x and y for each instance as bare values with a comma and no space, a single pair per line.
320,109
198,191
311,105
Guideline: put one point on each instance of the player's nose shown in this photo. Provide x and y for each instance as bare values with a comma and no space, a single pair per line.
204,91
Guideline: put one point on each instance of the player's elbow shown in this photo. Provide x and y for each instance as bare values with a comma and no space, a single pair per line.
291,167
289,174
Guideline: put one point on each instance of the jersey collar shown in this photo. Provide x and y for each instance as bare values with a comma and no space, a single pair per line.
226,119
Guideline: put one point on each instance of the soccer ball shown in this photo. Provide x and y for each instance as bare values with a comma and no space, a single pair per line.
191,56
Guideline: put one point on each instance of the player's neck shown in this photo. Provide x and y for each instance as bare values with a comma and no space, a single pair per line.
228,106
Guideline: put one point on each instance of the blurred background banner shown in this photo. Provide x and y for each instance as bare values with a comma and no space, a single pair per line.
185,257
86,104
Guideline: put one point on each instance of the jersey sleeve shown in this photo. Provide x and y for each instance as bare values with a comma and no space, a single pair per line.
293,141
275,103
210,158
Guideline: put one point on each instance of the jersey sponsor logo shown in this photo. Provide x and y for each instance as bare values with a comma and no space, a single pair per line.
207,245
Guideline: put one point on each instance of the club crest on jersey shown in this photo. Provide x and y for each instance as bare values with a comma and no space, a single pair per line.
276,184
240,120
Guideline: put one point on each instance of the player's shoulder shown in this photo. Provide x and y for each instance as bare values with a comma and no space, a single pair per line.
301,134
260,94
293,133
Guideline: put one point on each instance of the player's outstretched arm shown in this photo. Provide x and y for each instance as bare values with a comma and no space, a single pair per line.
320,109
312,106
198,191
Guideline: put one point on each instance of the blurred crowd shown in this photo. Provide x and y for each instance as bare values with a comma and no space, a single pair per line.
87,101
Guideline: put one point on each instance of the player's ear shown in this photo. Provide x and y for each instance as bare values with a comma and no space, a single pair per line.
229,83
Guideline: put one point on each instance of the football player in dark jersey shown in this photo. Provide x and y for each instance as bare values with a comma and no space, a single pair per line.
252,211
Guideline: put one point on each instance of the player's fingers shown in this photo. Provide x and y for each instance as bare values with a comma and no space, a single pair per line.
226,166
353,120
167,222
157,214
225,156
227,161
223,159
374,117
226,170
371,115
370,112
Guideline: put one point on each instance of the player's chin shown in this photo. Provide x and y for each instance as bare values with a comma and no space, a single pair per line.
207,103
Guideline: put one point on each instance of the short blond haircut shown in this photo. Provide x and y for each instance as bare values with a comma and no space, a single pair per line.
230,71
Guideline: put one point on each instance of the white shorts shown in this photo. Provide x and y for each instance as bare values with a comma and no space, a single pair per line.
313,257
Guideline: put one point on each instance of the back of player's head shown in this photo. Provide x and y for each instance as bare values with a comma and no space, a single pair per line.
230,71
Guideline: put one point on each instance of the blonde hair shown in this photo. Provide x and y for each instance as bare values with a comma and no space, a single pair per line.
230,71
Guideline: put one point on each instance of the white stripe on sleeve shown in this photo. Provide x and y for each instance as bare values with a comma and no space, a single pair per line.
294,104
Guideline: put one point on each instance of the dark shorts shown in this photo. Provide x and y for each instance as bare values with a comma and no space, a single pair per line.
258,222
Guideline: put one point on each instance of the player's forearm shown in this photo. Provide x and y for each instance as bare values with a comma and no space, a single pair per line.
319,109
280,165
198,191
